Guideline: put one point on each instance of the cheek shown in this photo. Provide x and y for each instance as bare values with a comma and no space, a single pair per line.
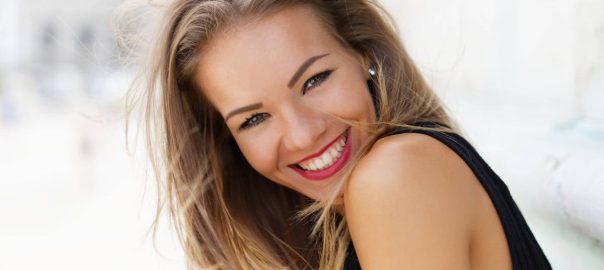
261,153
349,99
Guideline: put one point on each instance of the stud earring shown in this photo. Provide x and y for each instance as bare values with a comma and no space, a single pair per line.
372,71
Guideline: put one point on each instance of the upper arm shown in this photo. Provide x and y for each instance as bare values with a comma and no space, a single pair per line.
410,204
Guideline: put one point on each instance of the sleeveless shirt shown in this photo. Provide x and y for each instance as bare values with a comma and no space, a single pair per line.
525,252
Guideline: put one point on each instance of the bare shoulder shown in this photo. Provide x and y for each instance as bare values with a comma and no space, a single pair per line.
411,160
411,201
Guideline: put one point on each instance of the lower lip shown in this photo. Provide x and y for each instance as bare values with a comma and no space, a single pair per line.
331,170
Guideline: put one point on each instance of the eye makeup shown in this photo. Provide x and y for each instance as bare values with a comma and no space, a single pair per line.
253,120
313,82
316,80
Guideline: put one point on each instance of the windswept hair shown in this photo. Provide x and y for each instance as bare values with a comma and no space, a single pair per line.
226,214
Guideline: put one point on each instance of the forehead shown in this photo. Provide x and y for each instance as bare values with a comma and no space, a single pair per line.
239,63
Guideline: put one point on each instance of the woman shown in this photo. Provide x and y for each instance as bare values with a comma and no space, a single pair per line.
300,135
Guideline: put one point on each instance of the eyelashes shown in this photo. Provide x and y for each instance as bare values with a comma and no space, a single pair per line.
313,82
253,120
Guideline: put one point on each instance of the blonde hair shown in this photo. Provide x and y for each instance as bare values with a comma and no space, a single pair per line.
226,214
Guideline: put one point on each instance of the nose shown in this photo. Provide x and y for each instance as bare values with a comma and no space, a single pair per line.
302,127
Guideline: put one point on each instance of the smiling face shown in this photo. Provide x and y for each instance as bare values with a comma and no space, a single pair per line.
280,83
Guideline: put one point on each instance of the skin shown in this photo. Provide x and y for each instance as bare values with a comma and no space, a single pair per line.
431,212
236,71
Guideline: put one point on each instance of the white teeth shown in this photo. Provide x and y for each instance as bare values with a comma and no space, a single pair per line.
326,159
334,153
318,163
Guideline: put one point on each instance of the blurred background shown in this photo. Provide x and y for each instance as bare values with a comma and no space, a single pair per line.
525,79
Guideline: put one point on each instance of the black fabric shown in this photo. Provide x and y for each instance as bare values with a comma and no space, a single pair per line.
524,249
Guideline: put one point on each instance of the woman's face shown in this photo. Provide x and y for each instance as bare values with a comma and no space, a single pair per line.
280,82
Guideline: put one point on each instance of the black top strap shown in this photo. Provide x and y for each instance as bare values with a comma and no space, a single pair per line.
524,249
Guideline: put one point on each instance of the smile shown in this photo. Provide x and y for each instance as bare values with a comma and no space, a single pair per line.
326,162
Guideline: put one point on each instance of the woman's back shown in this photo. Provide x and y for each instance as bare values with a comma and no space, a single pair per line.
498,222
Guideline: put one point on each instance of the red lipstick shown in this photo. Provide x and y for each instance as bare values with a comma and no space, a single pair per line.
333,168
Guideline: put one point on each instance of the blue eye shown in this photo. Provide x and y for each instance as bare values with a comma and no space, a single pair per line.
253,120
315,81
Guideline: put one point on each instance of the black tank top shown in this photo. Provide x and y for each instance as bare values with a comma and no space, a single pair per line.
524,249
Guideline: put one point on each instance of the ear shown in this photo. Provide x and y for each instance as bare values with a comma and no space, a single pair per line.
364,63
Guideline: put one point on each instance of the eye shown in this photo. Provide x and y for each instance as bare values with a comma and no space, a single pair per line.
315,81
253,120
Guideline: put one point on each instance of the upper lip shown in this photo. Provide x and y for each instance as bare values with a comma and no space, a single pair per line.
320,152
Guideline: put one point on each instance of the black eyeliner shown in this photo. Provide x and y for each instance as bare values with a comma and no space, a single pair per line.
320,77
246,124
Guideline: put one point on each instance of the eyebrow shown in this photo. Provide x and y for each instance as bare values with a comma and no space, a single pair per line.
291,83
303,68
243,109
